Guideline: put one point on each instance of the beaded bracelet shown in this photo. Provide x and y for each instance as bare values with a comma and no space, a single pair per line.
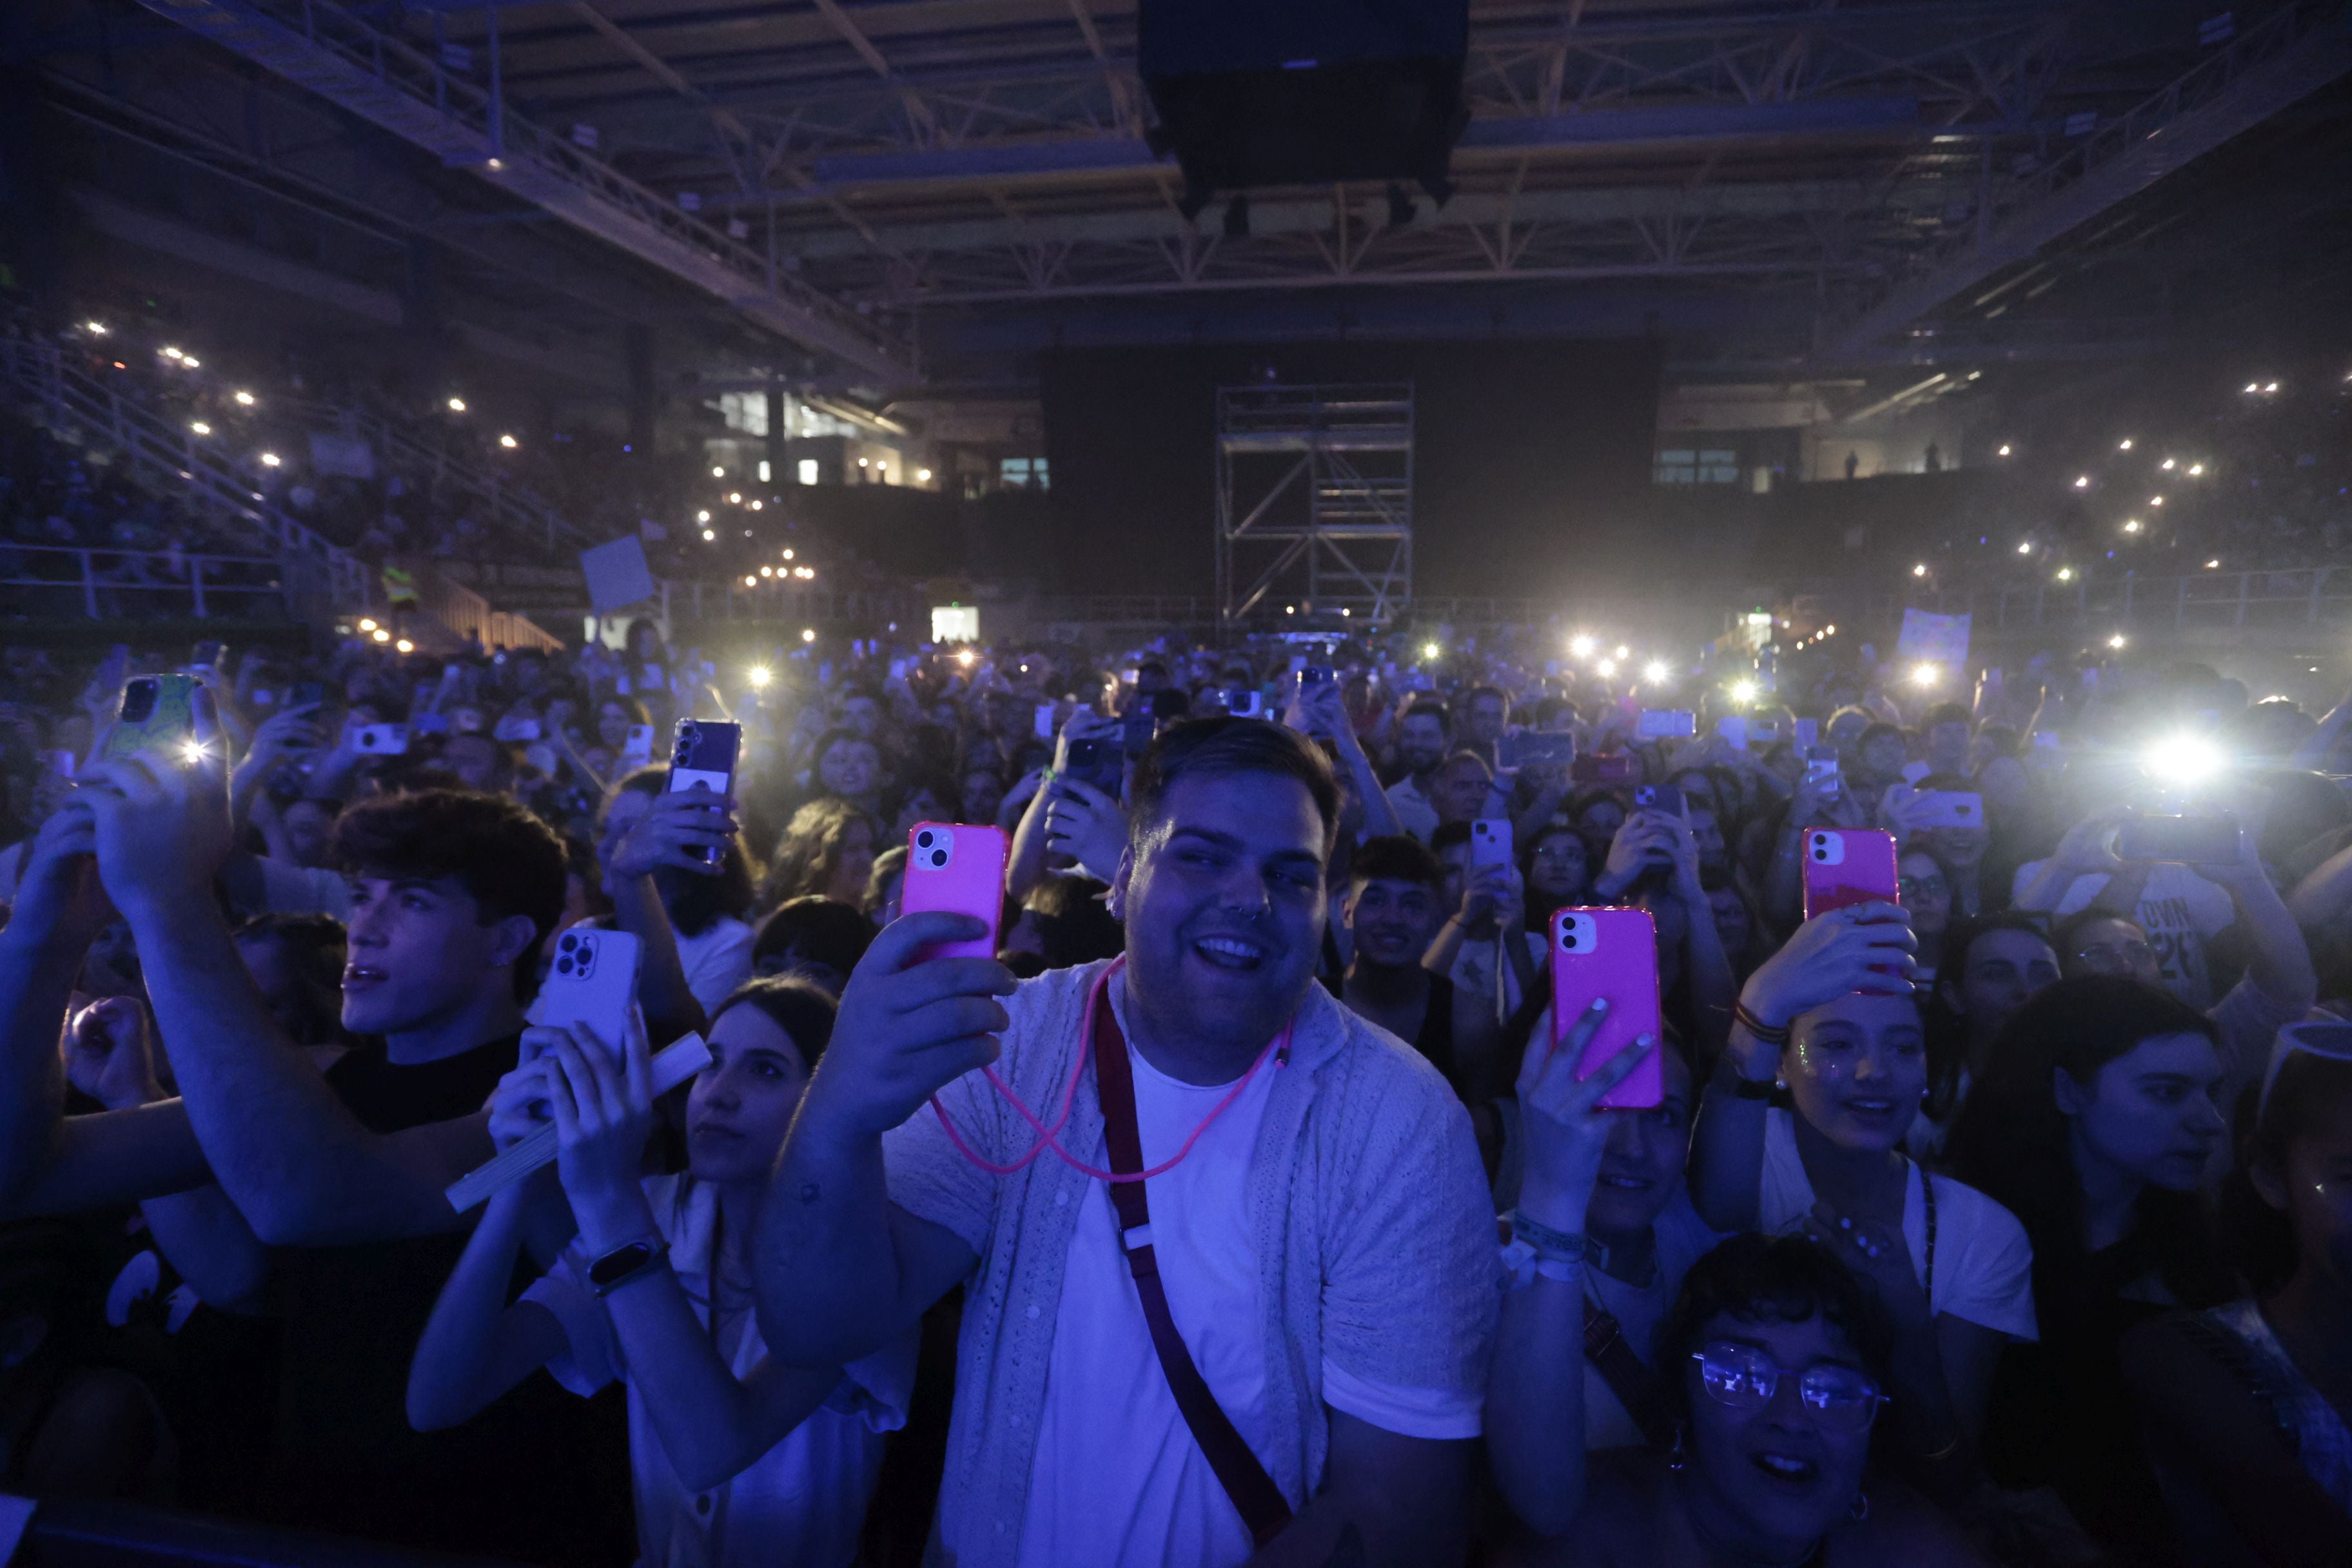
1757,1027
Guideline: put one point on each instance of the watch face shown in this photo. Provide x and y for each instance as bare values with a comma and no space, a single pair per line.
619,1263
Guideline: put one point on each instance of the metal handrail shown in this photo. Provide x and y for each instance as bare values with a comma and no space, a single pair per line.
167,451
520,503
2199,84
191,565
469,615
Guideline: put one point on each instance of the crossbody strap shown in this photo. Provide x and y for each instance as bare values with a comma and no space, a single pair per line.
1927,1202
1641,1392
1253,1491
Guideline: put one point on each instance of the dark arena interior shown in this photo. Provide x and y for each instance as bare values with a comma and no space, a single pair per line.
1642,707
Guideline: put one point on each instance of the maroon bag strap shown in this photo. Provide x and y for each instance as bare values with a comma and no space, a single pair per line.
1641,1392
1253,1491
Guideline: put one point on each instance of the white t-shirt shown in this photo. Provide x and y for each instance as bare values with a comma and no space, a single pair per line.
716,960
1984,1265
1473,972
290,889
1118,1481
1682,1239
2178,909
802,1503
1413,809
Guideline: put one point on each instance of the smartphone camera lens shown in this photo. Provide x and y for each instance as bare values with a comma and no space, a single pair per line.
923,839
570,942
563,966
939,859
1568,939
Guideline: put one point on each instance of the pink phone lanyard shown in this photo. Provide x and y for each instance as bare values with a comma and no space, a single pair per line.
1097,1009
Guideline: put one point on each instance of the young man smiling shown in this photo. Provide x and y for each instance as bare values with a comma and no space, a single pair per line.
1319,1221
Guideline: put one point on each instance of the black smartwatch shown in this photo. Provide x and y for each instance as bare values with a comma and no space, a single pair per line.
623,1264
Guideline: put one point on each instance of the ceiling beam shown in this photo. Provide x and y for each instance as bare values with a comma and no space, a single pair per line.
1047,159
379,78
1467,209
2297,51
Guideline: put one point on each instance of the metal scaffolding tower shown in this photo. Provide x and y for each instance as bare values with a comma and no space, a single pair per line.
1314,501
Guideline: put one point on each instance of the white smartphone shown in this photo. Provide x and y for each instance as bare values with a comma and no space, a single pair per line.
1665,724
380,740
1950,809
594,980
1490,841
1042,725
639,749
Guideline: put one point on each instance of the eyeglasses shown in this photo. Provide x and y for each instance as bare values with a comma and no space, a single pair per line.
1551,854
2333,1041
1744,1379
1918,887
2115,958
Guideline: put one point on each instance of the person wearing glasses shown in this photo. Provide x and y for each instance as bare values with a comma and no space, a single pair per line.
1778,1359
1802,1129
1926,891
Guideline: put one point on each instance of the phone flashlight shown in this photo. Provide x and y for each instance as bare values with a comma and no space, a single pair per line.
2181,758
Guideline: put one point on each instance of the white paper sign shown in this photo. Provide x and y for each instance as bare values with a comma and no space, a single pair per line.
617,575
1936,639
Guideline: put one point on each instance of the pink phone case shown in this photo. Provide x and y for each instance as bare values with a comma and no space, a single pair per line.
1847,866
1610,952
960,869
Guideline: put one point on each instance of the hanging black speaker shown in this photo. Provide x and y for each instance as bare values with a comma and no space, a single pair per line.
1304,91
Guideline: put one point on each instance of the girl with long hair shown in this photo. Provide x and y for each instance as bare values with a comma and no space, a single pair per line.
2092,1121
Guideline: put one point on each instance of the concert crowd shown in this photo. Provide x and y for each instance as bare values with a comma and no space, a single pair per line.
1393,1100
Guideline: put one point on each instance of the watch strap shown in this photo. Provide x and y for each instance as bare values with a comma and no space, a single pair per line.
630,1261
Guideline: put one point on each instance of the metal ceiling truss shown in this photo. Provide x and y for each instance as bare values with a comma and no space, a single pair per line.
431,100
901,164
2299,48
1354,248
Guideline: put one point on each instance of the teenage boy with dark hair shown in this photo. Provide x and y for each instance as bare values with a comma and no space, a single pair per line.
1322,1276
452,894
1947,727
1395,894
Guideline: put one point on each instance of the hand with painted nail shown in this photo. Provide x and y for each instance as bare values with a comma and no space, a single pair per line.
1566,1130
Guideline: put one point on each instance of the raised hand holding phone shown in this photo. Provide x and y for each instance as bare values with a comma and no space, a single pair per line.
600,1093
1087,826
162,817
1566,1123
1866,947
1610,955
689,830
908,1026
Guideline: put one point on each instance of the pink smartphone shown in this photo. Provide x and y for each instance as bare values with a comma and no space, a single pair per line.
1847,866
960,869
1609,952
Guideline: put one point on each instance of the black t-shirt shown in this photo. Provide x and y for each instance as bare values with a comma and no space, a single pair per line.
538,1477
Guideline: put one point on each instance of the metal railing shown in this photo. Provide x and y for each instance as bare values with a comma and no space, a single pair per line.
172,459
466,614
106,584
2279,597
793,604
516,505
